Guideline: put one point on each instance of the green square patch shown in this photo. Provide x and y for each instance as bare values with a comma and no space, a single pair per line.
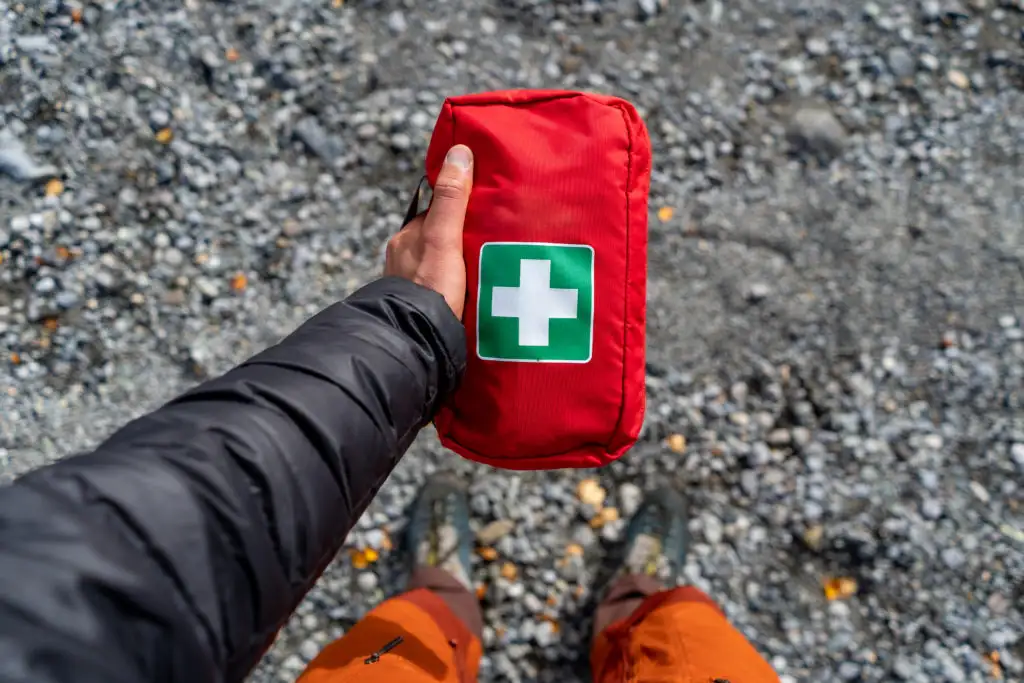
535,302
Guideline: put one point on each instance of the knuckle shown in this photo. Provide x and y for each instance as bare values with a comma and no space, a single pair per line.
449,187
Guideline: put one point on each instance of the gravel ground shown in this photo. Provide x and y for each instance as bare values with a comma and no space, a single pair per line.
836,362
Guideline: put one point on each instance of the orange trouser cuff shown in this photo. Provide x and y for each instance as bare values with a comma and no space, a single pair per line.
677,636
436,646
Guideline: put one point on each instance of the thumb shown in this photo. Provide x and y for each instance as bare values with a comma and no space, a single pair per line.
447,212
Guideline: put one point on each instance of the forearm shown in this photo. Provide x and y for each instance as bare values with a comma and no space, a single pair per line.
238,493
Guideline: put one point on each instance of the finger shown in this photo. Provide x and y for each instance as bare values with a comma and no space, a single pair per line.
447,212
396,245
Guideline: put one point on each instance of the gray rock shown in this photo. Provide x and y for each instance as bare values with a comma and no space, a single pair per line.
849,671
545,635
533,604
929,479
16,162
36,43
1017,453
401,141
584,536
293,664
760,454
953,558
490,534
375,538
396,22
630,496
748,483
903,669
980,492
817,47
931,508
367,582
612,531
816,131
159,119
316,139
901,63
649,8
66,299
929,62
480,505
758,291
488,26
45,285
780,437
308,650
712,529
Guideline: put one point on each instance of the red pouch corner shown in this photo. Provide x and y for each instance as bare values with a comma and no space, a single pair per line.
556,264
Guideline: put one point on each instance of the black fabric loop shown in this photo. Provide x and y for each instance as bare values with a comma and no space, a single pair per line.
414,205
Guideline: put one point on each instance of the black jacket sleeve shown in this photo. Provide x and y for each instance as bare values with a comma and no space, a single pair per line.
176,549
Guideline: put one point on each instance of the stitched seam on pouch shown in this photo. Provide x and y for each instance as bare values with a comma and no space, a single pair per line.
628,278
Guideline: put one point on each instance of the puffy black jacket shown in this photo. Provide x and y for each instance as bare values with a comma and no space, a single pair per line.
176,549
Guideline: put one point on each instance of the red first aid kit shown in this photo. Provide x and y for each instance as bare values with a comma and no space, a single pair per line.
556,264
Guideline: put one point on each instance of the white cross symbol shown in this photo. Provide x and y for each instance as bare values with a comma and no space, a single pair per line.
534,302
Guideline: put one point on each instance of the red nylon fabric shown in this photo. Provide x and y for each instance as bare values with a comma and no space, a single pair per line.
566,168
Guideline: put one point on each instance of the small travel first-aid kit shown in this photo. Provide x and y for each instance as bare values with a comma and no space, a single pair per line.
556,269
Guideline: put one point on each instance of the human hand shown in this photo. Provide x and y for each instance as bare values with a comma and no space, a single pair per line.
428,250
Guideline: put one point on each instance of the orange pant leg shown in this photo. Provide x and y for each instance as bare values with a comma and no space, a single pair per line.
436,647
678,636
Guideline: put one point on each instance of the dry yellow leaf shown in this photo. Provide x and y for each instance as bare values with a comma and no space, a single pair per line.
164,136
481,591
839,588
231,54
604,516
76,15
509,571
489,554
239,282
54,188
337,3
995,668
359,560
574,550
665,213
590,492
677,442
15,359
371,555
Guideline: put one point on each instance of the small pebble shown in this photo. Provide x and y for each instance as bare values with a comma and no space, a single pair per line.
959,79
367,582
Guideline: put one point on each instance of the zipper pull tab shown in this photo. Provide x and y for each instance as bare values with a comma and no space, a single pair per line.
375,657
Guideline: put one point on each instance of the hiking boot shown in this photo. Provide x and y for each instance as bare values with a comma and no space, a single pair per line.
438,533
657,538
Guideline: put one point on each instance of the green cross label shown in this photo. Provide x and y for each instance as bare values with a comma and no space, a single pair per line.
535,302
